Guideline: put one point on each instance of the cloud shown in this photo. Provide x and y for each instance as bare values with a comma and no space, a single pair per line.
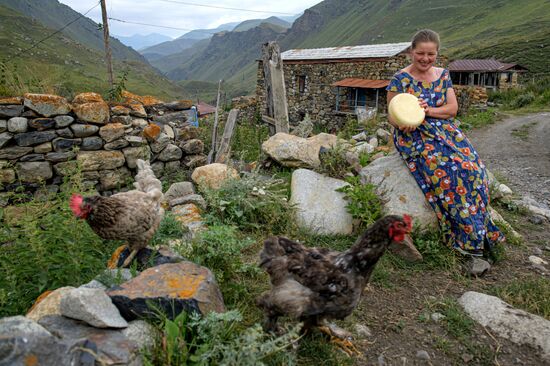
171,14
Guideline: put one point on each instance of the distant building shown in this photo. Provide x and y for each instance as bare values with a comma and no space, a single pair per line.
329,84
488,73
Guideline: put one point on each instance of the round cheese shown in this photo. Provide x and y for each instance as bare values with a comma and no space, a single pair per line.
405,110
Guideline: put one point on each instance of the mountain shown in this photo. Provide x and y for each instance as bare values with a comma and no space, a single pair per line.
252,23
55,15
64,66
139,41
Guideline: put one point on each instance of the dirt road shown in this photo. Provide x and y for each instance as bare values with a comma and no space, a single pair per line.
519,149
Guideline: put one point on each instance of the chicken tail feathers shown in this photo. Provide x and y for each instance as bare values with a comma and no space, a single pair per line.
146,181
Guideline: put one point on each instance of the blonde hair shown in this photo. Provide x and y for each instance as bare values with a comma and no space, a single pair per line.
425,35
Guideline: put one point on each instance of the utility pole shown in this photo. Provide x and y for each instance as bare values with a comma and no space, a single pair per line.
106,41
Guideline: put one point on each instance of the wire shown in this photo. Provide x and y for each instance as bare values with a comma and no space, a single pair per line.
225,8
158,26
52,34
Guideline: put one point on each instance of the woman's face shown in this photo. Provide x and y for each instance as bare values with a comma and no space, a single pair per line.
424,55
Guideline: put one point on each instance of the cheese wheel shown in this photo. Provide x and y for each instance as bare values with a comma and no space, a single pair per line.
405,110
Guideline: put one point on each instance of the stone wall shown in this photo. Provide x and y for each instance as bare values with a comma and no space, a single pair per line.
45,137
468,96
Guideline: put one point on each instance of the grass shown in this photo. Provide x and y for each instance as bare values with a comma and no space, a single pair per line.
523,131
531,294
477,119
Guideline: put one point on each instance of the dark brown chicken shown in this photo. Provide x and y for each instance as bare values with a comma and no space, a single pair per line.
133,216
317,284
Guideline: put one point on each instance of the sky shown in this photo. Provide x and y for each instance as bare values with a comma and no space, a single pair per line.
180,14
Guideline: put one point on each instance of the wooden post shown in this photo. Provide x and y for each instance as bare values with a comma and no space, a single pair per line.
224,151
275,91
106,41
215,128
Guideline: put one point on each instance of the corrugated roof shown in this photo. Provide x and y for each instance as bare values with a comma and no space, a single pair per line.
332,53
205,108
362,83
480,65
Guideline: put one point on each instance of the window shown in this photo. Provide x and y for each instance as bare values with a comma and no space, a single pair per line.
301,84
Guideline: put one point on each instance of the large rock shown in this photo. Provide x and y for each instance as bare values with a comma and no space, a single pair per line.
65,132
63,121
319,208
100,160
507,322
90,107
177,117
298,152
92,306
34,138
36,171
18,124
46,104
398,189
84,130
133,153
48,304
173,288
112,131
213,175
170,153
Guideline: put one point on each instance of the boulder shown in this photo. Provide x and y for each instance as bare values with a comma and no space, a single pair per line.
172,288
48,304
90,107
179,189
18,124
298,152
91,143
399,191
47,105
100,160
505,321
9,111
30,172
92,306
112,131
84,130
63,121
34,138
170,153
319,207
133,153
213,175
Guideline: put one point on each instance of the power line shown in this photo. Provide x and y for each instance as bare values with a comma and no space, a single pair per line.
225,8
52,34
158,26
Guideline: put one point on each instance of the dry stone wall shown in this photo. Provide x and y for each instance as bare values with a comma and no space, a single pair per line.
44,138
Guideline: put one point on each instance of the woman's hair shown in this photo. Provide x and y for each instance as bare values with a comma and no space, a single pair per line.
425,35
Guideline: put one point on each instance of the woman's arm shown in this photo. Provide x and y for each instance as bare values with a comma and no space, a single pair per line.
391,120
446,111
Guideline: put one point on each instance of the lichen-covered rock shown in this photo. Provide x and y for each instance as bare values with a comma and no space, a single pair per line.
18,124
176,117
146,100
11,100
48,304
178,190
112,131
47,105
170,153
63,121
213,175
193,161
134,140
43,148
187,133
90,107
34,138
41,124
116,144
173,288
178,105
111,179
137,110
100,160
119,110
193,147
133,153
65,133
61,145
84,130
57,157
160,143
15,152
91,143
152,132
34,171
4,138
9,111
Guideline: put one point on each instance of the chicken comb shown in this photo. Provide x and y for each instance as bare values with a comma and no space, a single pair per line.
408,221
74,204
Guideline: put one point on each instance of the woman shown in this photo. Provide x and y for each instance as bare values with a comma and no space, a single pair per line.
439,156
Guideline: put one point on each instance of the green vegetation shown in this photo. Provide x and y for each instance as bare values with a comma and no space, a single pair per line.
534,96
531,294
363,202
476,119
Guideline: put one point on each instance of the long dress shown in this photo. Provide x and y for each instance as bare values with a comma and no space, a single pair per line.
447,169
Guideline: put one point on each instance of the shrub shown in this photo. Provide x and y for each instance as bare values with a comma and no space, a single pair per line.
333,162
523,100
363,202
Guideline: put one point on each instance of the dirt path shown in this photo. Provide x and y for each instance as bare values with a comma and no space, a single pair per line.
518,148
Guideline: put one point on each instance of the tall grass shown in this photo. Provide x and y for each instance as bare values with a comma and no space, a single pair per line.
535,94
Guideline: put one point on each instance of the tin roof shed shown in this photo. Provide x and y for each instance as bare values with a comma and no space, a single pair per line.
346,52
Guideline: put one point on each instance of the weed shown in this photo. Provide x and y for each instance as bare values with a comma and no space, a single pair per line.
363,202
531,294
169,228
523,131
478,119
115,93
247,140
333,162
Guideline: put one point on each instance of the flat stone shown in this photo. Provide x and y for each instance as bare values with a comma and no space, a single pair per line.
173,288
194,161
505,321
125,120
100,160
62,145
319,207
116,145
131,155
9,111
92,306
65,133
190,198
138,123
213,175
178,190
160,143
178,105
11,100
91,143
111,179
119,110
18,124
15,152
43,148
57,157
41,124
84,130
63,121
170,153
177,117
193,147
112,131
90,107
32,157
47,105
34,138
3,125
134,141
48,304
4,138
537,260
21,325
34,171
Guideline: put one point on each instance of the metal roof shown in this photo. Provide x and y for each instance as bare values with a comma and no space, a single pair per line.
362,83
481,65
345,52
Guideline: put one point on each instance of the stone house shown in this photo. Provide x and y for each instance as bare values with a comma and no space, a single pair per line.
330,84
486,73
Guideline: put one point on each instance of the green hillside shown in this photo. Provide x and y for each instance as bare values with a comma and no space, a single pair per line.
63,66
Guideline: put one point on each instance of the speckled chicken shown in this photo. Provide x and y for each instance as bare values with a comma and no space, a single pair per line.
314,285
133,216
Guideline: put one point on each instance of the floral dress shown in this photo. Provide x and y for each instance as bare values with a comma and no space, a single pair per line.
447,169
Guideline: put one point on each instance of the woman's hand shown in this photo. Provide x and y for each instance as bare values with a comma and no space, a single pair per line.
407,129
424,105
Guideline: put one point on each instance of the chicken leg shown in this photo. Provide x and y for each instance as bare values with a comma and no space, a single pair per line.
340,337
130,257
